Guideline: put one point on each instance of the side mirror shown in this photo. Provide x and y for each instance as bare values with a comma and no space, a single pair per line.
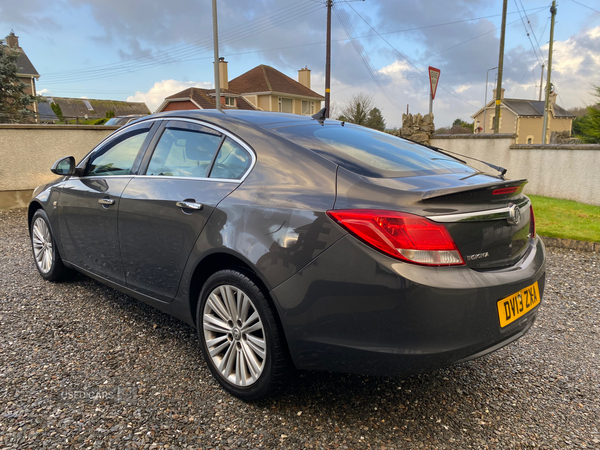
64,166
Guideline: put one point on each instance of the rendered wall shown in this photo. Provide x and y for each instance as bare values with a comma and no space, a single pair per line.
562,171
28,151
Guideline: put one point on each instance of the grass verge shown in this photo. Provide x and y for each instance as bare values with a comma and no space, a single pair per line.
566,219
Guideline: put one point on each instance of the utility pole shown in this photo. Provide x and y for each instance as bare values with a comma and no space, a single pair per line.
542,82
328,60
216,43
548,79
500,66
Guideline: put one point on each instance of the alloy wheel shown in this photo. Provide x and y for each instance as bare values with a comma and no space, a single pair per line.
234,335
42,245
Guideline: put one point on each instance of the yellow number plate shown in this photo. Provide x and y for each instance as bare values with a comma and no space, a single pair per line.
518,304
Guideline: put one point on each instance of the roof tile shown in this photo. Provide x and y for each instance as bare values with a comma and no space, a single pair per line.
266,79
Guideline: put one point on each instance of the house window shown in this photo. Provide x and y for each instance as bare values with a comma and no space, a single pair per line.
88,105
530,139
229,101
308,107
286,105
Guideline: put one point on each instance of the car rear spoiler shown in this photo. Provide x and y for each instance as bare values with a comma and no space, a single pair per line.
436,193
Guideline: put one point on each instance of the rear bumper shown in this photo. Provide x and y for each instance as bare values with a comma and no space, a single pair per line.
357,311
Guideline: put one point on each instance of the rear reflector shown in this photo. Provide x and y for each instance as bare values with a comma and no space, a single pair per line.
403,236
507,190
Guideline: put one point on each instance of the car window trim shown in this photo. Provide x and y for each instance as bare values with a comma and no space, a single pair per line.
225,133
152,147
214,158
84,161
172,123
136,161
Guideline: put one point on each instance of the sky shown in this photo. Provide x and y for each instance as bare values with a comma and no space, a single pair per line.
146,50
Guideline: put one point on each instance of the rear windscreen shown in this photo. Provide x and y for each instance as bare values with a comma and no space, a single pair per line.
371,153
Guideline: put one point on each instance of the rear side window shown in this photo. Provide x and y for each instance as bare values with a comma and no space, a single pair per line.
184,150
371,153
232,161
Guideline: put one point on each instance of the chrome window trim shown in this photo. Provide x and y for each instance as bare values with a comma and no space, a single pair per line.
224,132
166,177
479,216
180,119
118,132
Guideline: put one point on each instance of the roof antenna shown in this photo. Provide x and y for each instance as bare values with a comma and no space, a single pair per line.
320,116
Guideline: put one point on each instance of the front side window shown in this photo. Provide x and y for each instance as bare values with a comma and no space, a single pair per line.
286,105
184,150
232,161
118,156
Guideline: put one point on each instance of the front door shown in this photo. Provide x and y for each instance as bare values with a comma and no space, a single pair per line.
162,213
88,205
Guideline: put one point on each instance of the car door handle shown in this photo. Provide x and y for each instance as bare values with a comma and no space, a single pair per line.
189,205
106,201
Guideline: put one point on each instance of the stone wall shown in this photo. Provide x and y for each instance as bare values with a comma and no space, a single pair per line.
417,128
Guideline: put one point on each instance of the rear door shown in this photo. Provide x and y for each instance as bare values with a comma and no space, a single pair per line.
88,205
189,169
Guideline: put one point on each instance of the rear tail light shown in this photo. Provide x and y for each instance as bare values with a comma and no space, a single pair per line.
531,222
403,236
508,190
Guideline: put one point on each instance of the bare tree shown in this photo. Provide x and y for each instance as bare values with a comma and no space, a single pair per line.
357,109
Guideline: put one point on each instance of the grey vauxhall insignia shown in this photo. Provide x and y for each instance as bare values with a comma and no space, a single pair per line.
299,241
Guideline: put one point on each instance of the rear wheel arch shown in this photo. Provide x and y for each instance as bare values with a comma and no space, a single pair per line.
216,262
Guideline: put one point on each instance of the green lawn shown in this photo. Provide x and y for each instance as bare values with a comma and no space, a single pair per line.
566,219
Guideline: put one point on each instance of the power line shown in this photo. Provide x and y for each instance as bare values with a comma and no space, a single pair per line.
176,50
184,52
344,20
373,73
527,32
468,40
586,6
407,60
531,27
187,50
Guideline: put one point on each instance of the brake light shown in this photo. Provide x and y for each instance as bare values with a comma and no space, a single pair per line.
400,235
508,190
531,222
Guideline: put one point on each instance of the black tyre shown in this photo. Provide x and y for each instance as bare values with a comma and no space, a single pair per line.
240,337
45,252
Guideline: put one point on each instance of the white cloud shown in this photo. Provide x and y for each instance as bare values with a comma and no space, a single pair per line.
44,92
576,63
161,89
397,68
462,88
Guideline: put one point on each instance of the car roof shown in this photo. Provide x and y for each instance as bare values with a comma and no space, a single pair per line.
260,118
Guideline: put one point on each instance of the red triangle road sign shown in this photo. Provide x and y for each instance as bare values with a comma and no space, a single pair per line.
434,77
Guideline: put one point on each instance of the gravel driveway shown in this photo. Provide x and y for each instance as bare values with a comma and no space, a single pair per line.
83,366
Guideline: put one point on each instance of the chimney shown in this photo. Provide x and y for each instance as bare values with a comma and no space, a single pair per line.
552,99
501,94
304,77
11,40
223,77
